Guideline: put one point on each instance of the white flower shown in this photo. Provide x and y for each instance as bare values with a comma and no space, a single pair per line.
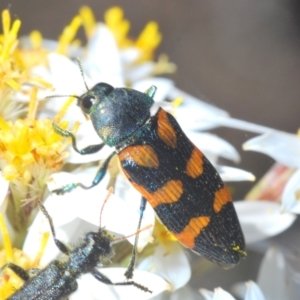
253,292
284,148
75,213
262,219
90,288
4,184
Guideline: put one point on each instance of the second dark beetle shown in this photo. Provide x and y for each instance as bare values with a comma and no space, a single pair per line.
59,279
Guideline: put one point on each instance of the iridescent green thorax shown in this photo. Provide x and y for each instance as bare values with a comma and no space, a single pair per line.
117,113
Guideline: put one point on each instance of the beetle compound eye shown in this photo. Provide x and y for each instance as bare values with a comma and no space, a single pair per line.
87,102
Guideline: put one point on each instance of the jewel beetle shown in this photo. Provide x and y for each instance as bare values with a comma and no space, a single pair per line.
169,171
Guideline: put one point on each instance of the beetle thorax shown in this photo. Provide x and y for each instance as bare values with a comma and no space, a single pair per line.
117,116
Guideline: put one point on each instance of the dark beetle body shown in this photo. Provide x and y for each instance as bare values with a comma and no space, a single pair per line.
191,202
172,174
58,280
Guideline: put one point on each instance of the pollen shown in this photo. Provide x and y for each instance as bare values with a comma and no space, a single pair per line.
29,144
175,104
163,236
68,35
9,281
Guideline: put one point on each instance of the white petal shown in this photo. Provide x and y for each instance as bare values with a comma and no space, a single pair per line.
240,124
132,199
253,292
262,219
219,294
103,63
63,210
139,72
194,113
79,211
164,259
129,55
281,146
23,94
239,289
186,292
234,174
163,85
117,216
90,288
86,136
4,184
67,80
272,275
210,143
291,194
66,75
272,184
208,295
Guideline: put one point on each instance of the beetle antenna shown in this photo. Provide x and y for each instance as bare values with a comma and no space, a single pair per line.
61,96
81,72
110,191
133,234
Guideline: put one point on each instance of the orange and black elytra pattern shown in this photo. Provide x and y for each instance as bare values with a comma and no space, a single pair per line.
170,172
185,190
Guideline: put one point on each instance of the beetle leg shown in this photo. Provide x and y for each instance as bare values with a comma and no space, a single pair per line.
88,150
18,270
101,277
129,273
60,245
99,176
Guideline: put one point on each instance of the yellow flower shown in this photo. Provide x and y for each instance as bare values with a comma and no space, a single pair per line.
15,65
119,27
14,70
148,40
30,151
163,236
9,280
27,143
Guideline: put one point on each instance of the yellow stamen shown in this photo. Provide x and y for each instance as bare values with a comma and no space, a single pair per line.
33,104
13,84
75,126
40,81
119,27
176,103
6,240
162,235
6,21
36,39
76,43
164,66
10,41
148,40
64,109
88,20
43,245
68,35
